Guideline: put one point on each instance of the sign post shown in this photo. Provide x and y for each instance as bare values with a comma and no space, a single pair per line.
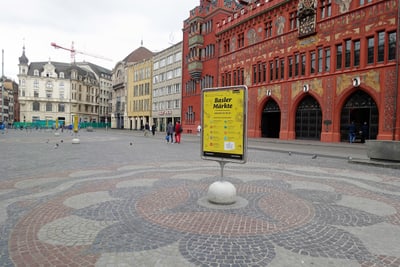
76,140
224,125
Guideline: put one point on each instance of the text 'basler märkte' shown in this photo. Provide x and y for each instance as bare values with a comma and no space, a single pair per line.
223,102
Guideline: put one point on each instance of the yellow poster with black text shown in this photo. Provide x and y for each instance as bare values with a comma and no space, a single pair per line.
223,123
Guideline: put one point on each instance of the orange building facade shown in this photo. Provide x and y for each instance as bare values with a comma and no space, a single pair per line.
312,68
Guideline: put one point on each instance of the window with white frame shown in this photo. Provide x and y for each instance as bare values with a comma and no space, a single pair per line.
177,103
177,72
156,65
178,56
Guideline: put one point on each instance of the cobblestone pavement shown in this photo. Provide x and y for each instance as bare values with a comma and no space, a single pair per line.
121,199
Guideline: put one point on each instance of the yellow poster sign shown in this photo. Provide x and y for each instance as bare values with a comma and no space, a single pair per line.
224,123
76,124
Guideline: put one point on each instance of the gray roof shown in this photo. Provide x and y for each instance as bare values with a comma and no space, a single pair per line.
97,69
23,59
66,68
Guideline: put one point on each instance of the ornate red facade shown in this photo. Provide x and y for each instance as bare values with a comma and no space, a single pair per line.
311,66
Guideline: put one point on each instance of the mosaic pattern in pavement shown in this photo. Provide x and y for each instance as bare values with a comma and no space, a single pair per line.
150,215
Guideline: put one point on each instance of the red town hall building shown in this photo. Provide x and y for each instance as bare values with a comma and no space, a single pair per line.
312,67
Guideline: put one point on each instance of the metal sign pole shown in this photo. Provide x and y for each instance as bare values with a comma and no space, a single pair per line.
222,165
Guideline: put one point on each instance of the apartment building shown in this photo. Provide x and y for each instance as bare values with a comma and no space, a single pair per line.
167,80
139,93
50,91
104,78
123,80
9,105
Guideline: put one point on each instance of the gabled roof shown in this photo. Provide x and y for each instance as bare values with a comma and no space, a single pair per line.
139,54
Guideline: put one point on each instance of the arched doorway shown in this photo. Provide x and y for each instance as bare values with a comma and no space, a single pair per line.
360,108
271,120
308,119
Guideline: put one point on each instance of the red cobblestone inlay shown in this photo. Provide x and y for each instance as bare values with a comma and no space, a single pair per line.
27,250
287,211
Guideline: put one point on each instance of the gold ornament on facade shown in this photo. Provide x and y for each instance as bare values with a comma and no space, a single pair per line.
301,87
269,91
343,82
296,88
370,79
262,92
380,23
316,86
342,35
277,91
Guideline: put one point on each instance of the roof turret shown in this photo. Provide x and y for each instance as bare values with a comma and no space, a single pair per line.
23,59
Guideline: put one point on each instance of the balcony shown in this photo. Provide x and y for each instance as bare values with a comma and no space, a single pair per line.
196,40
195,69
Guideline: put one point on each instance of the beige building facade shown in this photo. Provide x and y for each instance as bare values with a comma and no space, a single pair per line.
119,117
139,94
103,98
121,85
167,80
50,91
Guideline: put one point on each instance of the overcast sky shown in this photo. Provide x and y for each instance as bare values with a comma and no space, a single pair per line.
111,29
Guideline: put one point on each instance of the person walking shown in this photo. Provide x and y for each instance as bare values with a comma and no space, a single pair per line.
170,133
178,131
364,132
352,132
153,129
198,130
146,129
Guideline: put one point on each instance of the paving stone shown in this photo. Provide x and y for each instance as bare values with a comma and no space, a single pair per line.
105,203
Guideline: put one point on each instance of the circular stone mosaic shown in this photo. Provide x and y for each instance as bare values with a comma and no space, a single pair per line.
153,215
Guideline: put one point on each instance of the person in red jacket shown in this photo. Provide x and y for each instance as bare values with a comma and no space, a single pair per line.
178,131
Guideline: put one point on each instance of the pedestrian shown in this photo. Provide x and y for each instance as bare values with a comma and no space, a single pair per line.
146,129
199,130
170,133
153,129
364,132
352,132
178,131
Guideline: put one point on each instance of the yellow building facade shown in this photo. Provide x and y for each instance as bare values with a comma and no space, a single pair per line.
139,93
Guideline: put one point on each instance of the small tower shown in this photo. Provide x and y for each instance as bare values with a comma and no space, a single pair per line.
23,63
